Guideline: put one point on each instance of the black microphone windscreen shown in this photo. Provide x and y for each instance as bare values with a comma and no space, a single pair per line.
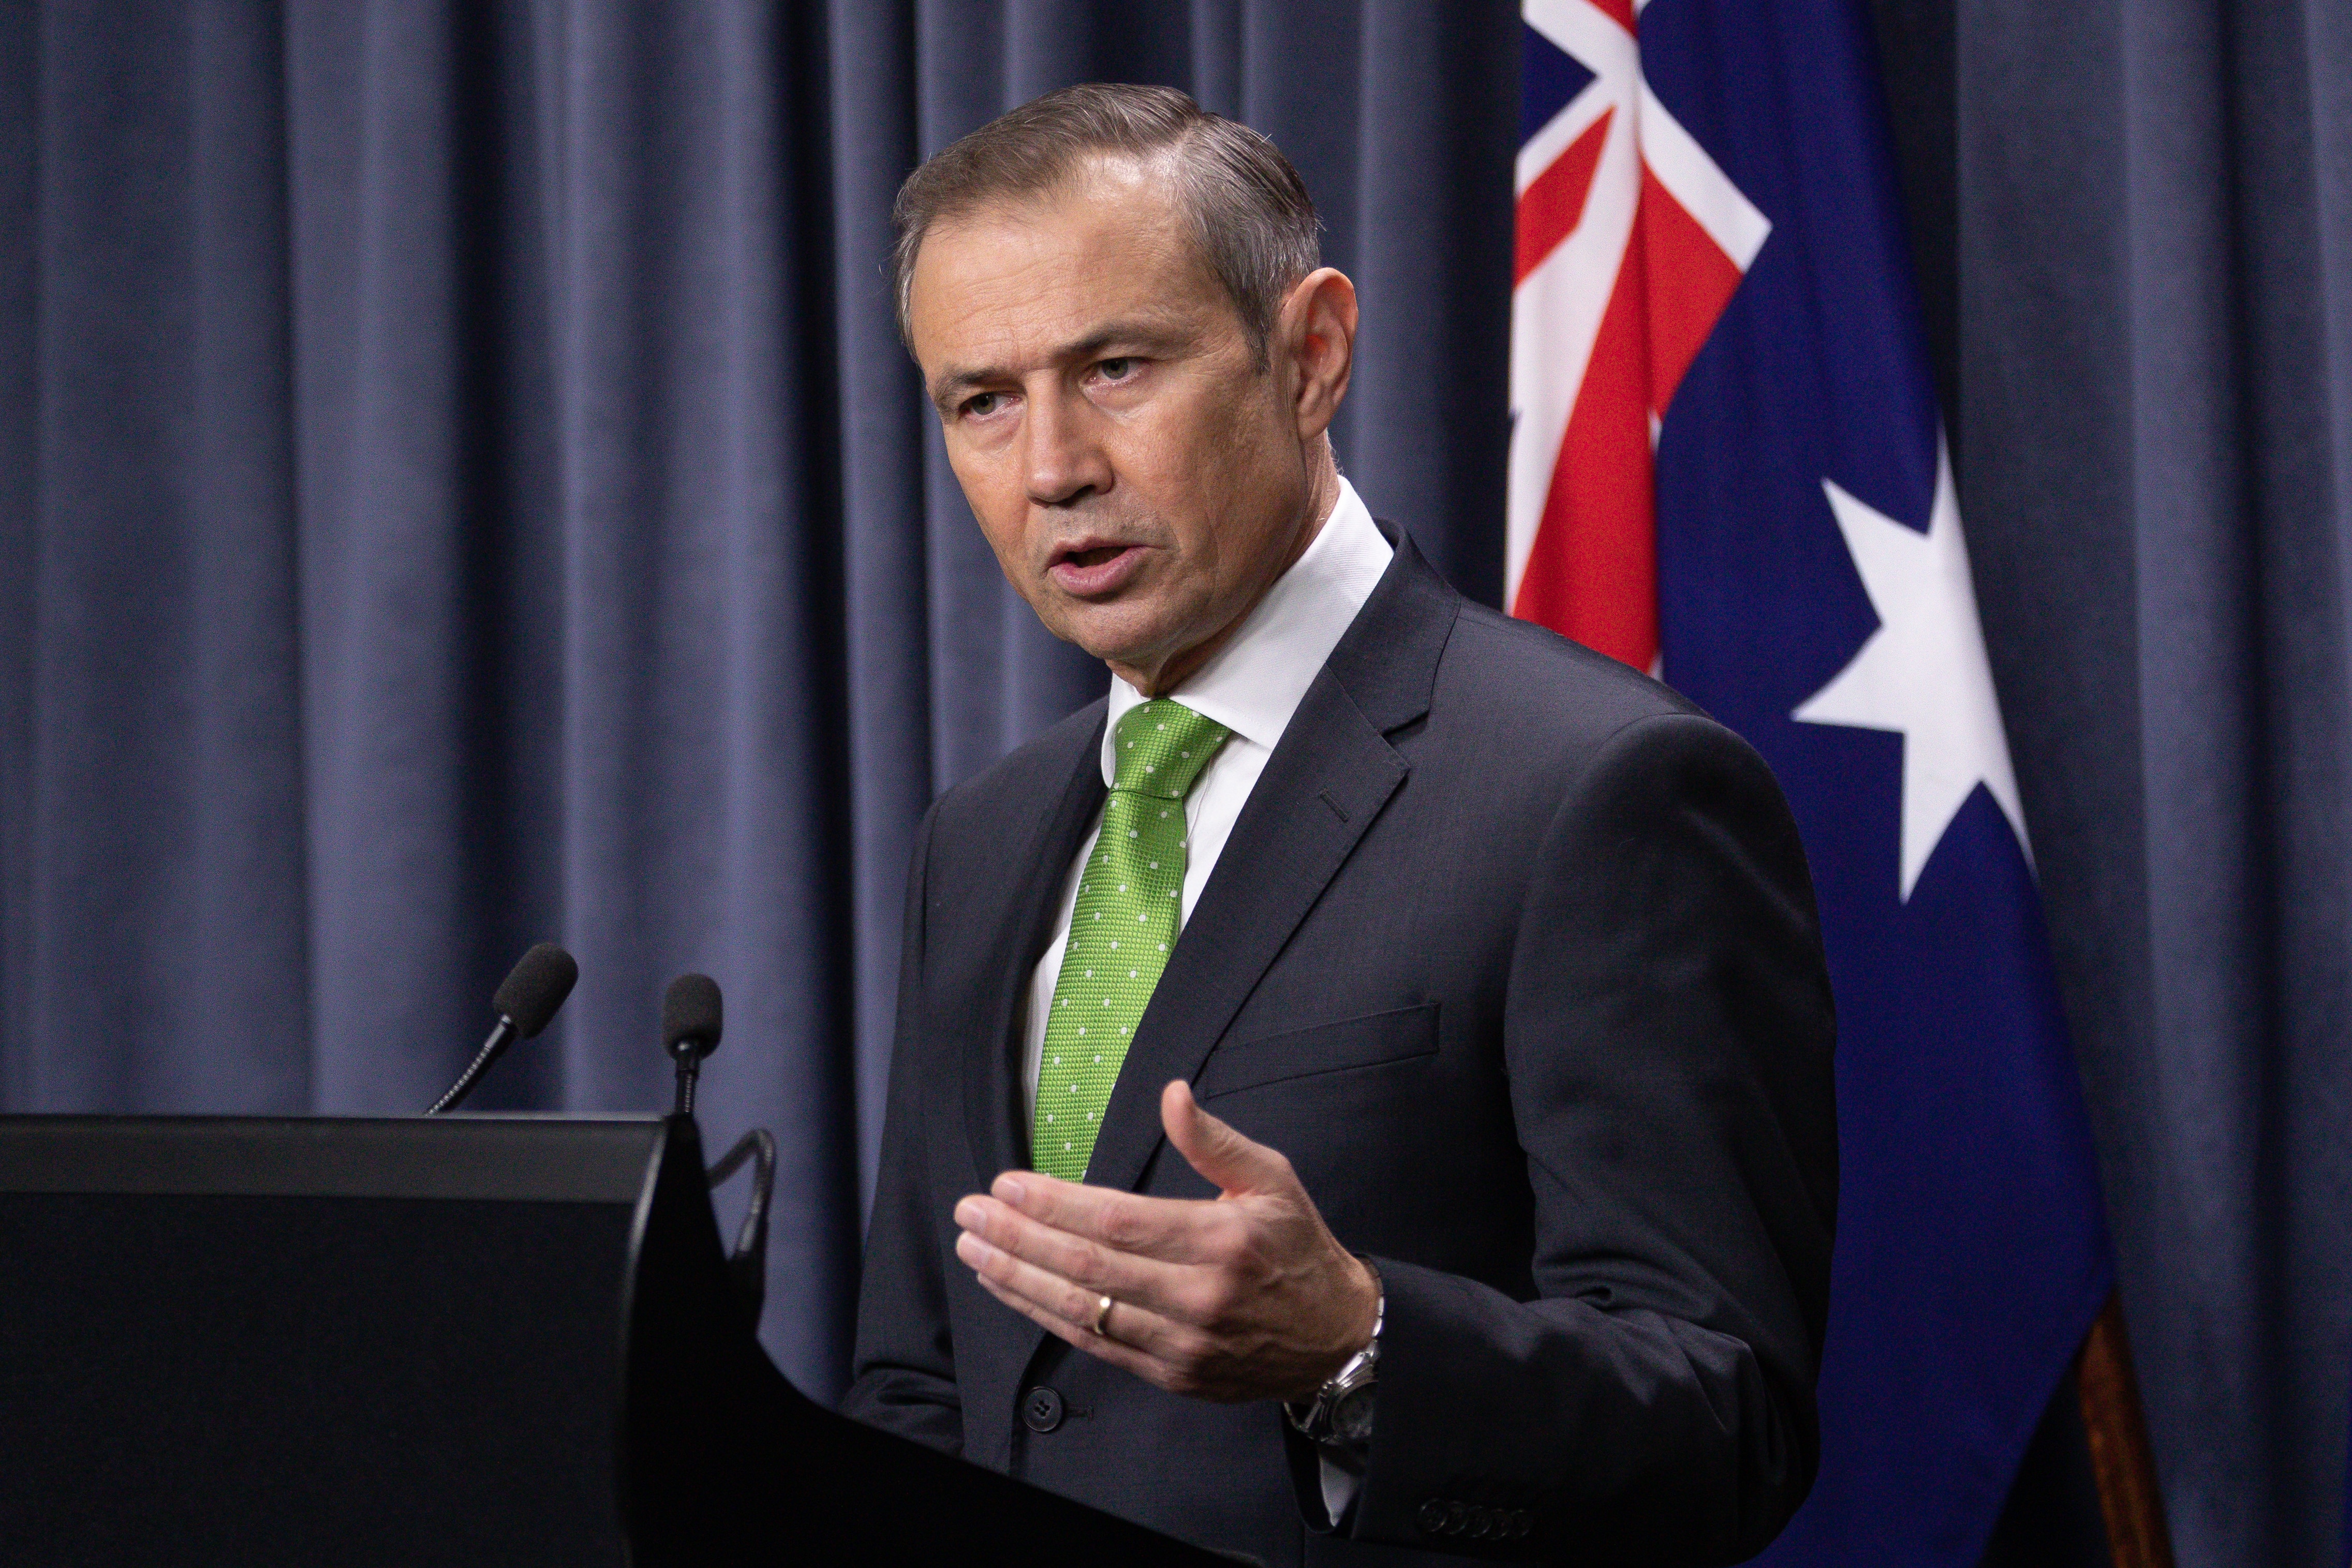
536,988
691,1011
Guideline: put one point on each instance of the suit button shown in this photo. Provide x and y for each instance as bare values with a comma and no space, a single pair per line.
1432,1515
1042,1410
1521,1522
1482,1523
1457,1518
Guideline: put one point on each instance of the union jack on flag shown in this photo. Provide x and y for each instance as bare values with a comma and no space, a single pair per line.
1727,466
1631,242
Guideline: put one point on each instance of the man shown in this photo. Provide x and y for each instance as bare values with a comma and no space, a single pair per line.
1365,1084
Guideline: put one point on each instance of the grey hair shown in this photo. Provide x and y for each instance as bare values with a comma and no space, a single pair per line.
1249,210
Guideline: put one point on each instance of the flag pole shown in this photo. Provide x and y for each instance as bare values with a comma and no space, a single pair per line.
2122,1463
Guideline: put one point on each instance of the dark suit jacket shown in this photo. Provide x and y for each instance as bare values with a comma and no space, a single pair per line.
1514,953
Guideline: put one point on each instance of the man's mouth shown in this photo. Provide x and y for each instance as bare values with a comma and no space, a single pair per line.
1091,567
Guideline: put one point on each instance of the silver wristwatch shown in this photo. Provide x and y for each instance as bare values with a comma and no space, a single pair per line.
1341,1411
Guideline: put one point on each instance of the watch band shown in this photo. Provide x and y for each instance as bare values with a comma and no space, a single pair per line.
1315,1419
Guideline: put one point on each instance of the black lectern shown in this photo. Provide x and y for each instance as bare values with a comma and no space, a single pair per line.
461,1339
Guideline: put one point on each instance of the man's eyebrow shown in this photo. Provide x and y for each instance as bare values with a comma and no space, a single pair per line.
1137,335
1148,337
953,379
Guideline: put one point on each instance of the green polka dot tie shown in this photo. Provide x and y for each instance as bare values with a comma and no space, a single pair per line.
1131,901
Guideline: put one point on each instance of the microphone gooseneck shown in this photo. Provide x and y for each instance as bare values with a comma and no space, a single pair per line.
693,1019
502,1034
526,1000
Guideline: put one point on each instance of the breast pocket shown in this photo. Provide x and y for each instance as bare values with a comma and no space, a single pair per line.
1341,1045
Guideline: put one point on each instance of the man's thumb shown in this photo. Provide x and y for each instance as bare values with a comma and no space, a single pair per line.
1231,1162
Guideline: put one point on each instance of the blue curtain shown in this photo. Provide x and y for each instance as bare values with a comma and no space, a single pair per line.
460,484
2134,220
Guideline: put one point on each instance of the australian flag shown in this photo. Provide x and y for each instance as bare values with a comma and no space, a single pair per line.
1727,465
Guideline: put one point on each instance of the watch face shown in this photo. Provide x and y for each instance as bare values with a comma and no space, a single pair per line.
1352,1418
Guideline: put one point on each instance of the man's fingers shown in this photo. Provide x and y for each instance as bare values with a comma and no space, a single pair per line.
1054,1301
1173,1230
1230,1163
1064,1298
1116,1352
1080,1259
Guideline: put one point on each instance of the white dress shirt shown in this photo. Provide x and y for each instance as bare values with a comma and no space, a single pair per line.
1251,686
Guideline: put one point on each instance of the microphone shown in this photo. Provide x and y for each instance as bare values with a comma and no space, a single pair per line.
692,1021
693,1017
534,989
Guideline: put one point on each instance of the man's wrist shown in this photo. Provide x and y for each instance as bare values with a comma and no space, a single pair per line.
1339,1413
1379,1301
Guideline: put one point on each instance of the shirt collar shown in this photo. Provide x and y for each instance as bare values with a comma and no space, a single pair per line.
1254,683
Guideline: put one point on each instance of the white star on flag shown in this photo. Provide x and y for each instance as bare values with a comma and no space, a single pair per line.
1923,673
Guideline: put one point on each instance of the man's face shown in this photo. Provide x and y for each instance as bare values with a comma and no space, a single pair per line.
1141,481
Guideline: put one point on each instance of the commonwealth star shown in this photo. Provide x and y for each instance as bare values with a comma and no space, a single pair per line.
1923,673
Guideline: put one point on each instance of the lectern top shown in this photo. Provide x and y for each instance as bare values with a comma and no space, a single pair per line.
512,1159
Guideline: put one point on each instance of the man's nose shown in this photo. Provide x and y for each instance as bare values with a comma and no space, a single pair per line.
1065,456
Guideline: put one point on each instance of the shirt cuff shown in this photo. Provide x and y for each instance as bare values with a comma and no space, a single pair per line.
1340,1483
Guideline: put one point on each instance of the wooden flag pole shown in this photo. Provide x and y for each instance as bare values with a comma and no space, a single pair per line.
2122,1463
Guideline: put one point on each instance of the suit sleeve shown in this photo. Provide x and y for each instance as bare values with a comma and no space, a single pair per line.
902,1375
1667,1033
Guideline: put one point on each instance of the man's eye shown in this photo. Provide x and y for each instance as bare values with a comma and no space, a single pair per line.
1115,369
984,404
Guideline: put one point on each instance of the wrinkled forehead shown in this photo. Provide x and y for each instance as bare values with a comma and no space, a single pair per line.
1111,243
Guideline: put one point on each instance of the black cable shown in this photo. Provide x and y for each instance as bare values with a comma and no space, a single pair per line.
749,1262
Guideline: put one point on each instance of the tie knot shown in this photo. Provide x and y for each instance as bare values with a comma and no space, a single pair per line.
1162,747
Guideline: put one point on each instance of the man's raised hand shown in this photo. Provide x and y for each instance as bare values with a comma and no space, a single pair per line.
1244,1296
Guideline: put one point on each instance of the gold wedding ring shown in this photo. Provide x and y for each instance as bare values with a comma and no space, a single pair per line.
1102,1319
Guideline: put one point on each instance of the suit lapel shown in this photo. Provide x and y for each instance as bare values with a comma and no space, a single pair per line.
995,1121
1332,772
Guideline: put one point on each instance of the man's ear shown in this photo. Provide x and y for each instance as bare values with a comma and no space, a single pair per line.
1316,332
